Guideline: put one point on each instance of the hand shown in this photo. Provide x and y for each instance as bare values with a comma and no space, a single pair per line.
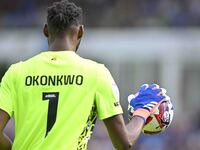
144,103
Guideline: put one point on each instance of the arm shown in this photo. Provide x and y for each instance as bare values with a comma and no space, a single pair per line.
142,105
107,102
5,142
123,136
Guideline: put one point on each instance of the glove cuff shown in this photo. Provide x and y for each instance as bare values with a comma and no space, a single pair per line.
142,113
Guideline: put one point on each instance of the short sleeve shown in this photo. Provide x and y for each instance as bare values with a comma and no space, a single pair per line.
6,94
107,95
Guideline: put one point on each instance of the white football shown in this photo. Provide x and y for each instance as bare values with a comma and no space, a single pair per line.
160,120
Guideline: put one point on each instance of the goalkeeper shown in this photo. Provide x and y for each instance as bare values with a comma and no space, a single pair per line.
56,96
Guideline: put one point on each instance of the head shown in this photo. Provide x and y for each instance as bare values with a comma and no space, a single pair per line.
64,23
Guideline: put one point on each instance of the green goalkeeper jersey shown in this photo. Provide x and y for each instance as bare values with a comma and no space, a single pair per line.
55,98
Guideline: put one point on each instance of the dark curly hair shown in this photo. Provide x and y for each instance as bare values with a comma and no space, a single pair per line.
62,15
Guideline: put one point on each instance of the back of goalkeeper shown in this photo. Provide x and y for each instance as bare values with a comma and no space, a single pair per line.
51,95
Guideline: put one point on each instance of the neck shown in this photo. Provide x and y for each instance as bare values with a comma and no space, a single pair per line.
61,44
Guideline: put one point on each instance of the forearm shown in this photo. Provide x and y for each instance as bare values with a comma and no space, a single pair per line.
134,128
5,142
123,136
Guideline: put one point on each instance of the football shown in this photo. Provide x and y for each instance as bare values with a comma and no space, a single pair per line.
160,120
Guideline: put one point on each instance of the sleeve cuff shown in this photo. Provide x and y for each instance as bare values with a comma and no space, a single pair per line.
6,110
110,114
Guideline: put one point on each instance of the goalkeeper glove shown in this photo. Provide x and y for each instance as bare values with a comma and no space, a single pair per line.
144,103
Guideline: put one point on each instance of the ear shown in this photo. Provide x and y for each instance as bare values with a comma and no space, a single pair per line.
80,32
45,30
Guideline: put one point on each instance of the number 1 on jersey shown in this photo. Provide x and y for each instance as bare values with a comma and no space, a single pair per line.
52,108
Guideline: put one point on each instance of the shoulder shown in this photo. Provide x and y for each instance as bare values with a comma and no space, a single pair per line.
86,61
11,74
31,59
21,65
100,69
14,67
94,64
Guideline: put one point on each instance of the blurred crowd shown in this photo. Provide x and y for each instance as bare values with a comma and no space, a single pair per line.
107,13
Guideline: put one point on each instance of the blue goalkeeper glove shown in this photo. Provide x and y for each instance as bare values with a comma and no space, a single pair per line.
144,103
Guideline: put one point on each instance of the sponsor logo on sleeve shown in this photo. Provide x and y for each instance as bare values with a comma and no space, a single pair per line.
116,104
